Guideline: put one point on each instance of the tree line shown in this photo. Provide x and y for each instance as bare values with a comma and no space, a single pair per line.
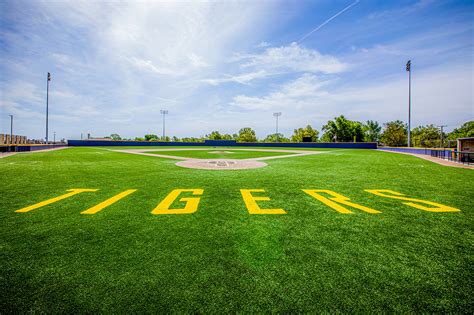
341,129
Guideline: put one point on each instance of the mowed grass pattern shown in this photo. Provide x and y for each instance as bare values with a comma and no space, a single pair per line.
221,259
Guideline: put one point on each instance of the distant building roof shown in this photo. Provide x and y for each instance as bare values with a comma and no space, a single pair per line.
101,139
468,138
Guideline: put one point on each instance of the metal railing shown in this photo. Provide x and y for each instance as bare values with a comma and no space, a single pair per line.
454,156
463,157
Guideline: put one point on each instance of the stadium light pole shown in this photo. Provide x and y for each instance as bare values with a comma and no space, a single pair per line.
408,68
163,112
47,104
276,115
11,127
54,137
441,145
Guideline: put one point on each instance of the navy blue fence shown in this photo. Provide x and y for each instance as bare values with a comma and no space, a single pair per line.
217,143
227,143
28,148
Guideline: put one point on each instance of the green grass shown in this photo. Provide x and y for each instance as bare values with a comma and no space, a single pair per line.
221,259
205,154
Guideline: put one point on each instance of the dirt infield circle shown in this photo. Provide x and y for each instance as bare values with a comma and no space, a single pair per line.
221,164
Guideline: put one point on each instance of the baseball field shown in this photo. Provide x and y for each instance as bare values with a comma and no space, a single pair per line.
343,230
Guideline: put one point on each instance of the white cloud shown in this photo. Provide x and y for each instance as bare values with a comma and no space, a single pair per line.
244,78
61,58
147,65
440,96
21,91
294,94
174,38
263,45
280,61
293,58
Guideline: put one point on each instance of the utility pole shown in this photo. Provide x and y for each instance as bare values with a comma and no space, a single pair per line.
163,112
408,68
11,128
441,144
47,105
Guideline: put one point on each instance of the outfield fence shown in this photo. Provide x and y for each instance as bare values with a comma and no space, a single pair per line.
227,143
28,148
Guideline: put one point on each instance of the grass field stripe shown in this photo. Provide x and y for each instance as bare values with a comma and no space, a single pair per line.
413,202
253,207
190,207
56,199
337,198
108,202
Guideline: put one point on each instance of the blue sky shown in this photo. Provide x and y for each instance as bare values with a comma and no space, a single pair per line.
226,65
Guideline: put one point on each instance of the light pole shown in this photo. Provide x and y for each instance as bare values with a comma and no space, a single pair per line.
441,144
163,112
276,115
408,67
47,100
54,137
11,128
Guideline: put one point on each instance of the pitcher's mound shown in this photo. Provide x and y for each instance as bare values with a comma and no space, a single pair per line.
220,164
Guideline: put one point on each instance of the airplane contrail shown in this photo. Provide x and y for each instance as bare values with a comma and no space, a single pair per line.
329,20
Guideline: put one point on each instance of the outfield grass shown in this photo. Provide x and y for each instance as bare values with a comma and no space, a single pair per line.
221,258
206,154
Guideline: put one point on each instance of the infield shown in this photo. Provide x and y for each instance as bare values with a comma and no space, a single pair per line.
199,158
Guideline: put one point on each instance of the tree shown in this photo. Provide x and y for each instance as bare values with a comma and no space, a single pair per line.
191,139
426,136
226,137
215,135
372,131
276,137
466,130
139,139
247,134
342,130
308,131
395,133
115,136
151,137
175,139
